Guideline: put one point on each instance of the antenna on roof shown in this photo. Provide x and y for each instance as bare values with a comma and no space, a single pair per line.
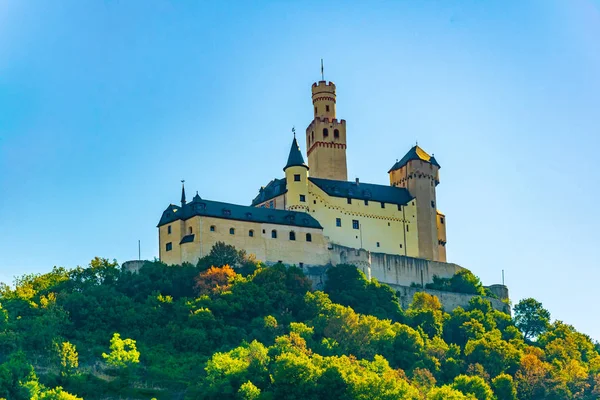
322,74
294,131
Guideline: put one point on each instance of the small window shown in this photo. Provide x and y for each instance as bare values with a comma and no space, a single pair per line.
349,200
355,224
312,136
388,224
432,204
382,205
400,245
274,234
212,228
406,228
169,246
190,231
366,202
336,133
292,235
272,204
308,237
296,177
327,108
232,231
314,202
315,110
377,244
302,198
399,207
338,222
442,220
325,133
264,231
251,233
169,229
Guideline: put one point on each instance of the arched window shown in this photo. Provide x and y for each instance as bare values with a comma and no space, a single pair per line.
308,237
325,132
315,110
251,233
212,228
292,235
336,133
312,136
231,231
190,230
274,234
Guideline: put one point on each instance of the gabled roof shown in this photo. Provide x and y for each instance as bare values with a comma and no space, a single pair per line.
273,189
415,153
216,209
363,191
295,158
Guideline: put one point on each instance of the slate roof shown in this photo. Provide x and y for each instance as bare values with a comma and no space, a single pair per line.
363,191
275,188
216,209
415,153
295,158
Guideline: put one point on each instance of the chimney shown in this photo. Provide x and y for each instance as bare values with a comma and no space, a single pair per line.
357,182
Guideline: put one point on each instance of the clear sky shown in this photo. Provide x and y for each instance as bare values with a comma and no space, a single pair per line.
105,106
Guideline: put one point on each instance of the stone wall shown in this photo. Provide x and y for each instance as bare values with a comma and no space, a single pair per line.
390,268
449,300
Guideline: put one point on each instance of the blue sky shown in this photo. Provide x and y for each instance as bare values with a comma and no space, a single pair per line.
105,106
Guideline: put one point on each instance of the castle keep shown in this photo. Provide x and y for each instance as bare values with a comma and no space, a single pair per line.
313,216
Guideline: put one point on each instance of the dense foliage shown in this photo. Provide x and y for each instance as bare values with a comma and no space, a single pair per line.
254,332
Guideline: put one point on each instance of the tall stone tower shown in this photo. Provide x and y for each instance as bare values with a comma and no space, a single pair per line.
418,172
326,136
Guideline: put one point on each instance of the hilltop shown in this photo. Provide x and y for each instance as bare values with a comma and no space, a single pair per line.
211,331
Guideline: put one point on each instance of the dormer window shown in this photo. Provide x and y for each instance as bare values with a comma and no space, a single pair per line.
226,212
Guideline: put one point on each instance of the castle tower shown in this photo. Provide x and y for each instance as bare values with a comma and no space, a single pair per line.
418,172
296,176
326,136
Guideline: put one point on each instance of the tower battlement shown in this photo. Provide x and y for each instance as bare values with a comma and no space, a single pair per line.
323,86
335,122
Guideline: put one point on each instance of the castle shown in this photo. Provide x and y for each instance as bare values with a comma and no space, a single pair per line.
314,216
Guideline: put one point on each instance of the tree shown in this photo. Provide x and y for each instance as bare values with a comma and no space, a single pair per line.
215,280
504,387
248,391
474,385
69,359
123,352
531,318
224,254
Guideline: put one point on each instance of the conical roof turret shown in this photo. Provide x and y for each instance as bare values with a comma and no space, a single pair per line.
295,158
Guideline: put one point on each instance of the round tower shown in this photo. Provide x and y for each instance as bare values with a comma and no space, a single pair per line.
296,177
326,135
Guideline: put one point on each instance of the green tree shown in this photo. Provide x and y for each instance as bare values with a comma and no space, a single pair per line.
474,385
123,352
248,391
69,358
224,254
504,388
531,318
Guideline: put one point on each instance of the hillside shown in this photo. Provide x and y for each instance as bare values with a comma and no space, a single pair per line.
254,332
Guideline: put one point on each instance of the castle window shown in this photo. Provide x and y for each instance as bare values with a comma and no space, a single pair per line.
338,222
388,224
226,212
212,228
325,133
232,231
264,231
308,237
272,204
349,200
441,220
302,198
355,224
169,246
400,245
169,229
327,108
274,234
190,231
315,110
366,202
377,244
406,228
399,207
296,177
314,202
336,133
292,235
432,204
382,205
312,136
251,233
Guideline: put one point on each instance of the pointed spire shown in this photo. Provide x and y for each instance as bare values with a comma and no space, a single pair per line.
183,192
295,158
